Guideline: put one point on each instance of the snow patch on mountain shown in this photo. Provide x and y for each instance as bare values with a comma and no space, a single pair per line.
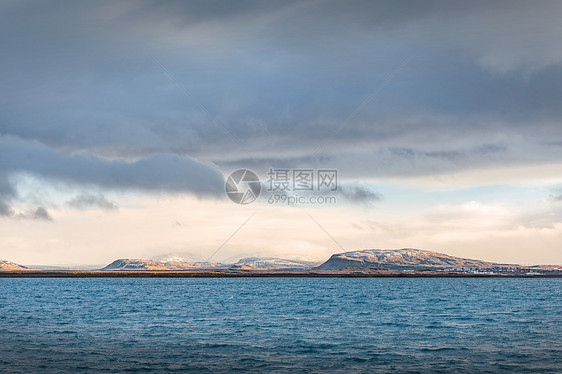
403,259
273,263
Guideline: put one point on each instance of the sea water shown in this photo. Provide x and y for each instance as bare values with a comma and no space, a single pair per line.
280,325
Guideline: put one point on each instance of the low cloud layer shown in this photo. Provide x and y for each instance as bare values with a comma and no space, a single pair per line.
359,194
39,213
88,200
158,173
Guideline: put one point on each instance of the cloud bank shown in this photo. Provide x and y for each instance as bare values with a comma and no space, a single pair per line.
283,78
158,173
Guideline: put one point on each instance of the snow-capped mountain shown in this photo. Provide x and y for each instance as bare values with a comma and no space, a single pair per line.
139,264
176,263
7,265
400,259
177,257
272,263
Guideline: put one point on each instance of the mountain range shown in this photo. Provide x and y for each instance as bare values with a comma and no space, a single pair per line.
139,264
250,263
391,259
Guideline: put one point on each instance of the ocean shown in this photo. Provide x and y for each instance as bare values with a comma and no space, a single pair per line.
282,325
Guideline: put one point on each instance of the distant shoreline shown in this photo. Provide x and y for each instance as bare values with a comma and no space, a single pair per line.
346,273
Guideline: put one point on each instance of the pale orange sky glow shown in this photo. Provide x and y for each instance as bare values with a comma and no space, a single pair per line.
148,227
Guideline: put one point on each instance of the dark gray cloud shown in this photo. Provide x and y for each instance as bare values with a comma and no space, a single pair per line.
451,155
39,213
359,194
87,200
82,101
157,173
5,209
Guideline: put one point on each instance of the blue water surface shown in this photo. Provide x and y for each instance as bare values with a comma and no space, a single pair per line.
281,325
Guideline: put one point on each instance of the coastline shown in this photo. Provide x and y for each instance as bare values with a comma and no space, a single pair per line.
344,273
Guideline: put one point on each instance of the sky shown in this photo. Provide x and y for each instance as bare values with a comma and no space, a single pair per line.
121,121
